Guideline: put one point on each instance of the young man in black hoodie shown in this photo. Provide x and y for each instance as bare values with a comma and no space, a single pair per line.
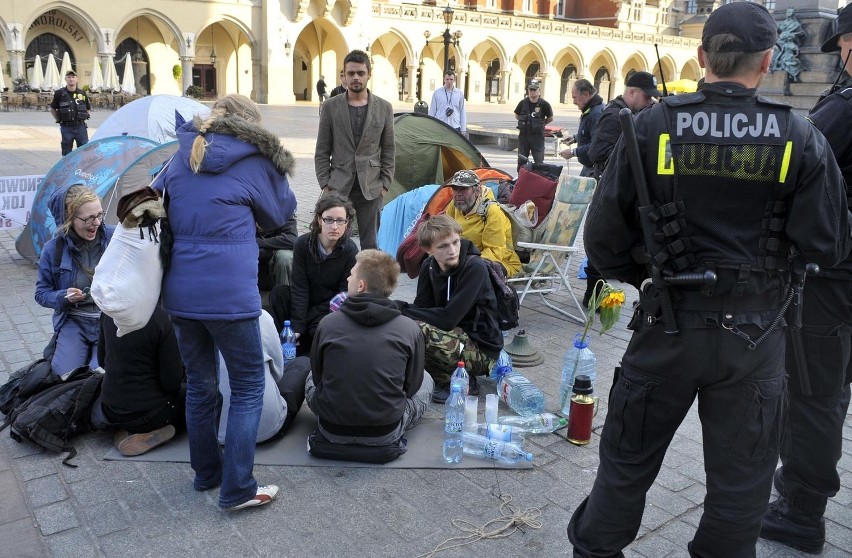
367,385
455,305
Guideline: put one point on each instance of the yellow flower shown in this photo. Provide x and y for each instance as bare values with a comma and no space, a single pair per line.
613,299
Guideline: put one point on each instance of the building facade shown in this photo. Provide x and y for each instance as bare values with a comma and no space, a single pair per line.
274,51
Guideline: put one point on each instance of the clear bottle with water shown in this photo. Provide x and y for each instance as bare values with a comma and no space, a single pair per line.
503,366
520,394
490,448
579,360
461,377
453,425
543,423
288,342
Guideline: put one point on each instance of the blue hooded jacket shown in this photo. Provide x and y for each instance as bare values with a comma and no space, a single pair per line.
54,278
214,215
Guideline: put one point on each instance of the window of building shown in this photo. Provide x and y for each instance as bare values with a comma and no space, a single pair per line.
636,10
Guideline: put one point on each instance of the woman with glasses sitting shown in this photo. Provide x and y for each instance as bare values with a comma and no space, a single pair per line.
322,260
65,272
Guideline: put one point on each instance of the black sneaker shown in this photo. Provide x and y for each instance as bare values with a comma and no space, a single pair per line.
793,528
441,393
472,386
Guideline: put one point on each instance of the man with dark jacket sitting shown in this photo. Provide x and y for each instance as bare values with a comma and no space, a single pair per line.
367,385
455,304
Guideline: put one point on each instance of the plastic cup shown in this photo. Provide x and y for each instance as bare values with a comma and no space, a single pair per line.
492,400
471,412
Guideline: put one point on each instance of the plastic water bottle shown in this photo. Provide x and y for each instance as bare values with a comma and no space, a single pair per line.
461,377
520,394
288,343
500,432
543,423
503,366
489,448
579,360
453,425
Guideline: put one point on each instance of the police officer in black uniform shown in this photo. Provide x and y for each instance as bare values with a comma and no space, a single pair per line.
70,107
819,382
734,181
533,113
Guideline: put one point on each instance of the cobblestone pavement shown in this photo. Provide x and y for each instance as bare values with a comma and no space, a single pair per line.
150,509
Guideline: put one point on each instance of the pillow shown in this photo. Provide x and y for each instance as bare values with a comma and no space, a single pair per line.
534,187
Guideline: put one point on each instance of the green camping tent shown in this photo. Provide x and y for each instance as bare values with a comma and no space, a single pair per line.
428,152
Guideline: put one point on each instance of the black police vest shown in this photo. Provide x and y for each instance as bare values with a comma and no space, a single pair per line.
721,168
72,107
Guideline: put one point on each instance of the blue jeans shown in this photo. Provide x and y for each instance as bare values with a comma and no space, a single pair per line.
73,133
76,345
240,344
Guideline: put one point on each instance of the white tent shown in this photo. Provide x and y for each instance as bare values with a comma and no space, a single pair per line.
128,82
36,74
66,65
110,75
52,81
97,82
150,117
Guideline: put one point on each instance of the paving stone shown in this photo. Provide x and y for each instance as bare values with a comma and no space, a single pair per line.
56,518
75,543
20,538
106,518
13,506
45,490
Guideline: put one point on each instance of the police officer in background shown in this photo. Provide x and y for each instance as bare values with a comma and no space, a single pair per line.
533,113
819,386
70,107
735,180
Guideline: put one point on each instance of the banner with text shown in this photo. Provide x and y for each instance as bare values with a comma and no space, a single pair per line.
16,199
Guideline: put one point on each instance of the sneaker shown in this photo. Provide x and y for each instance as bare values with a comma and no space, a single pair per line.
793,528
472,386
265,494
118,437
137,444
441,393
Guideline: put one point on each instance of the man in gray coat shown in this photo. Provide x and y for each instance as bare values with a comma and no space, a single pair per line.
355,147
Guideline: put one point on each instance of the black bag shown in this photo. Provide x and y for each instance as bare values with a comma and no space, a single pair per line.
319,446
26,382
508,302
52,416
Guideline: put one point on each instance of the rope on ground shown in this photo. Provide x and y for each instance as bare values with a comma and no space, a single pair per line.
510,521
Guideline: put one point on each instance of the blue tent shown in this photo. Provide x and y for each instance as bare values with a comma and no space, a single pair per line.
98,164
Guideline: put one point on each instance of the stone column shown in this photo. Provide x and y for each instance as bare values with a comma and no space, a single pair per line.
17,59
186,63
412,82
503,98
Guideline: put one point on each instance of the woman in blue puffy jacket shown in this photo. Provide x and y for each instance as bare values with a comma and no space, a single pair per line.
227,180
65,271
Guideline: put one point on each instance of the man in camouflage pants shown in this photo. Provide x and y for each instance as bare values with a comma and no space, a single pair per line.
455,304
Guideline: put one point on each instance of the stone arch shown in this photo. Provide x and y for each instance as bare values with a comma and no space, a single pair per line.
569,65
394,65
669,67
602,72
487,65
319,49
523,62
691,70
635,63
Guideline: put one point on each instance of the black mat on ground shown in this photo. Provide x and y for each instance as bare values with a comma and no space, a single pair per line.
424,450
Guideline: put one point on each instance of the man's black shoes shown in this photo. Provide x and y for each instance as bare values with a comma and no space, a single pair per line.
791,527
441,393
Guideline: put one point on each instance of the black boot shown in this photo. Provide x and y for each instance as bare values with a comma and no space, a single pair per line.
792,527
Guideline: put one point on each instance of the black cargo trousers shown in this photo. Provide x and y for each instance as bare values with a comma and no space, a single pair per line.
813,431
740,402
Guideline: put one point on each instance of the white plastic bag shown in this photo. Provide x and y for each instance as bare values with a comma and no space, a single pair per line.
127,280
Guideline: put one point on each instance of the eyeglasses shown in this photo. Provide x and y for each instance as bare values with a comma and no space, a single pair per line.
92,218
338,222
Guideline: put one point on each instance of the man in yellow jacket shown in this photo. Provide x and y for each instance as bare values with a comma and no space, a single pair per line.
485,225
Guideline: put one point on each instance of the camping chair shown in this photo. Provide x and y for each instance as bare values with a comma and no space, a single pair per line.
553,245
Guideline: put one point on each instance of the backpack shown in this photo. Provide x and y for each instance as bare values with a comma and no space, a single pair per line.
521,228
24,383
52,416
508,303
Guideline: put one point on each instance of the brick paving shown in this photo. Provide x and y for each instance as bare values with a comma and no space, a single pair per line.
106,509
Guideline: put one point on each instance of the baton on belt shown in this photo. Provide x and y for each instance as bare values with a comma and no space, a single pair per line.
687,279
795,330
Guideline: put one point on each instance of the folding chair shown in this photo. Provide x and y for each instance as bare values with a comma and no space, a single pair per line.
553,245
